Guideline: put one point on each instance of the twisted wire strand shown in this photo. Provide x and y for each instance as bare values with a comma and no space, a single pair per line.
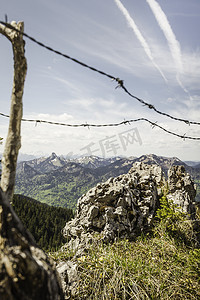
125,122
117,79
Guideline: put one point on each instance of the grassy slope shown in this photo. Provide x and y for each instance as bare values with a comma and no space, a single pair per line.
163,264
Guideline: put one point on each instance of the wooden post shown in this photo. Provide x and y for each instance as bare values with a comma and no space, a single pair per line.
13,141
26,271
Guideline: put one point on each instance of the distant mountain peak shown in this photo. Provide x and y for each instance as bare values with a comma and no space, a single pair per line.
53,155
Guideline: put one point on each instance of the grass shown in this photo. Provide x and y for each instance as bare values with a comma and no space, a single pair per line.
162,264
149,268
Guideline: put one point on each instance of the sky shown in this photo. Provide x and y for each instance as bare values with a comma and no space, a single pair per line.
152,45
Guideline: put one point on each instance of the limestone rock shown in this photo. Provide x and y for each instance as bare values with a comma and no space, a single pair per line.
120,207
69,277
124,206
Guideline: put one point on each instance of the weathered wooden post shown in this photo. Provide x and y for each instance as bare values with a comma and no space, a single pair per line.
26,272
13,141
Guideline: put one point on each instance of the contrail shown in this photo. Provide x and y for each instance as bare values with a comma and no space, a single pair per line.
139,36
173,43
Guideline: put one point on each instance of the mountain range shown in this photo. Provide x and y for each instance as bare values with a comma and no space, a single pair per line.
58,181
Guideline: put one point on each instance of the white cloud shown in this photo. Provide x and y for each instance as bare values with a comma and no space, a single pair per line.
139,36
168,32
173,43
120,51
45,138
49,117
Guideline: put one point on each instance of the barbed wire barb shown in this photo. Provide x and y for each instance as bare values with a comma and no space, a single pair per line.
153,125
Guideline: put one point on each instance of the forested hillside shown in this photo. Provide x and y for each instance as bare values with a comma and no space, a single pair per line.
43,221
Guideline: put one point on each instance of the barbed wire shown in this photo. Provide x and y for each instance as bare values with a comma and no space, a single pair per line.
125,122
117,79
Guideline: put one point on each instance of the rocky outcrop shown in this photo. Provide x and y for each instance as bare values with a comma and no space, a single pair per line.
124,206
121,207
26,271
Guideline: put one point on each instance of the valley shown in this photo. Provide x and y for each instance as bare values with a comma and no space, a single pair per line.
60,182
